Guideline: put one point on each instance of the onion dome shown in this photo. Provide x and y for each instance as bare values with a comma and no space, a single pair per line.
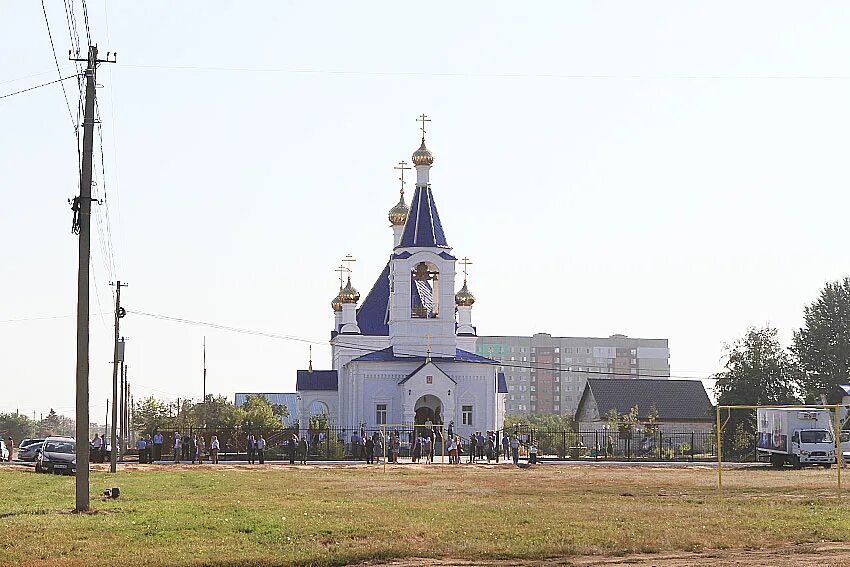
422,156
464,297
348,294
336,304
398,214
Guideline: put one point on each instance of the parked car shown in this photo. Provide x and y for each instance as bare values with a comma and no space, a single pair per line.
57,455
4,452
29,451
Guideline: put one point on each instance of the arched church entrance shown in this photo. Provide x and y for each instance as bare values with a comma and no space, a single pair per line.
429,412
428,408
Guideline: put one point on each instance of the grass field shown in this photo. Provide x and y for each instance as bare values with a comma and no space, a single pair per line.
235,515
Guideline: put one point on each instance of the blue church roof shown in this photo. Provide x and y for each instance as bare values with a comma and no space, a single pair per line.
316,380
386,355
372,313
423,227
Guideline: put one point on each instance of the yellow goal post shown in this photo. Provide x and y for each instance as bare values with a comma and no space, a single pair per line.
720,424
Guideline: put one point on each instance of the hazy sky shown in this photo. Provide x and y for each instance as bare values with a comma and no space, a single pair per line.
660,169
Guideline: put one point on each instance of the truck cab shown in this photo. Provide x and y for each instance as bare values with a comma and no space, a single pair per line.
813,447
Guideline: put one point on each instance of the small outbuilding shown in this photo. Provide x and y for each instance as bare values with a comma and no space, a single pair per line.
681,405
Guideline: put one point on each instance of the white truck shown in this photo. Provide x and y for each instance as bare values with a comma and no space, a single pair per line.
796,436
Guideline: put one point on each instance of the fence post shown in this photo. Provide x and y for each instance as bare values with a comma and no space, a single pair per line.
564,444
660,453
692,447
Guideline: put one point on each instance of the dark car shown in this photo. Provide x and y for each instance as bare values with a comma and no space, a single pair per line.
57,455
28,450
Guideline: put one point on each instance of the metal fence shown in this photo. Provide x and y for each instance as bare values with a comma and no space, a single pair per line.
619,445
335,443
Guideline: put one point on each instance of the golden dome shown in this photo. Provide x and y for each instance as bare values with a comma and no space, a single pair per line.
336,304
398,214
464,297
348,294
422,156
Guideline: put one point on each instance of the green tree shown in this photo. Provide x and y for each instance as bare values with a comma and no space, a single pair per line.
758,371
543,422
822,345
50,425
612,418
16,426
260,414
218,413
151,415
651,425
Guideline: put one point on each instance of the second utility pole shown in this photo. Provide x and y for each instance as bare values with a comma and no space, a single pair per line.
117,358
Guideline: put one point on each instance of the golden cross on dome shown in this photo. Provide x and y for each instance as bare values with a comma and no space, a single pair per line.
348,260
465,263
342,271
423,119
402,167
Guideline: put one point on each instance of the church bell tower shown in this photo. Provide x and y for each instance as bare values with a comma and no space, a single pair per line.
422,274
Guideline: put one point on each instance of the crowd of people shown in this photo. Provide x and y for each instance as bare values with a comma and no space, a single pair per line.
421,445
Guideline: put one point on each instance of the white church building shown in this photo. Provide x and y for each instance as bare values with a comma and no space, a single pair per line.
405,354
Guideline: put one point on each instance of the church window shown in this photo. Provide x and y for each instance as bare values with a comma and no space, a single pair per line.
511,388
466,415
429,379
381,414
425,291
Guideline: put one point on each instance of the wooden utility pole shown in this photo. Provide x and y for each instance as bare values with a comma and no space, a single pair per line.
123,408
205,370
117,360
82,226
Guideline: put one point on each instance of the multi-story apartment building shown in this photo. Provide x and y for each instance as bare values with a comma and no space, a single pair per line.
547,374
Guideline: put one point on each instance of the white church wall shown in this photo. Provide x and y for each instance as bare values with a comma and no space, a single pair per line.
307,398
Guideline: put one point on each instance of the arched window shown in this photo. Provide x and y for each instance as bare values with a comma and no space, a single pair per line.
425,291
318,408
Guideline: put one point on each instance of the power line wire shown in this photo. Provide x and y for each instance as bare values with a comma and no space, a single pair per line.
487,75
58,70
60,79
367,350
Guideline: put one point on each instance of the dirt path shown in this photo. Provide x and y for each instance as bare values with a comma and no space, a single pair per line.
809,555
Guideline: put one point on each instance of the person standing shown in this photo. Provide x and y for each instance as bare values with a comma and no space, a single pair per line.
187,441
202,448
261,449
370,451
302,450
293,445
104,446
472,448
249,447
193,448
515,449
157,446
178,447
214,447
140,446
506,445
148,448
95,449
